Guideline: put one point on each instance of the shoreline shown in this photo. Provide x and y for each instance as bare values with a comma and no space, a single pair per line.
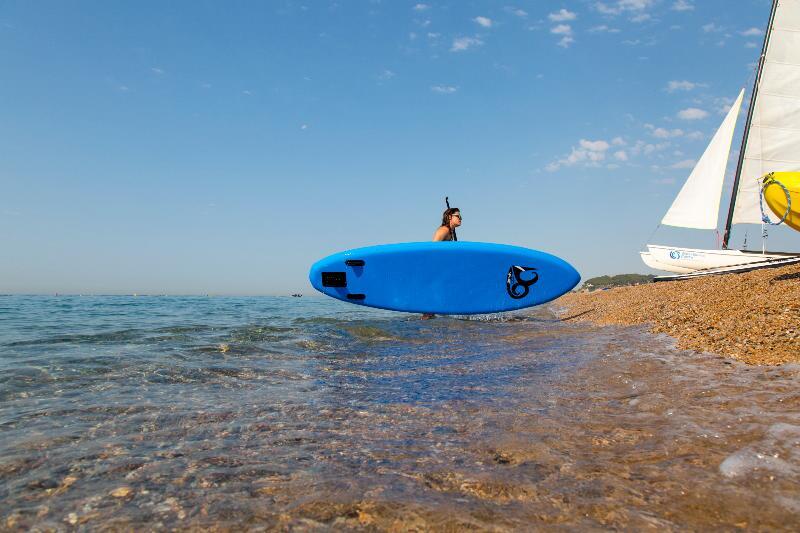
753,317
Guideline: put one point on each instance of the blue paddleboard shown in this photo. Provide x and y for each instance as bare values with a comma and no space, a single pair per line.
459,278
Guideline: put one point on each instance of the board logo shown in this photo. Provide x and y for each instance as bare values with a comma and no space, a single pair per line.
518,287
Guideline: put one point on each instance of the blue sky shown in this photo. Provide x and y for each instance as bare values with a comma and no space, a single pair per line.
222,147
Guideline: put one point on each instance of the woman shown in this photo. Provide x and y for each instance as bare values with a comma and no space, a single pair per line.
451,219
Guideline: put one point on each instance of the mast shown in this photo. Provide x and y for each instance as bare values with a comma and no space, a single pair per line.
751,107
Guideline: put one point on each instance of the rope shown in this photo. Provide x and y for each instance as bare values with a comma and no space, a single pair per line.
452,231
770,180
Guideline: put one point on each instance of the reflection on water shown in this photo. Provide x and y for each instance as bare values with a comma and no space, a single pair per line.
286,413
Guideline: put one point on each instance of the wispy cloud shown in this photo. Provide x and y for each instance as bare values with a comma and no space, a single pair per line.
603,29
686,163
464,43
683,85
587,153
565,30
682,5
517,12
247,92
608,154
664,133
712,27
562,15
156,70
635,8
692,113
751,32
444,89
483,21
421,7
386,75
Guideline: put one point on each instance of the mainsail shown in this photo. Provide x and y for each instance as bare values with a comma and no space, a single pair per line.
773,140
697,205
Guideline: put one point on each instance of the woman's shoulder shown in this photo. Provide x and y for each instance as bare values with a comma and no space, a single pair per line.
442,233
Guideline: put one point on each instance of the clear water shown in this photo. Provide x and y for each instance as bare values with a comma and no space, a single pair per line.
311,414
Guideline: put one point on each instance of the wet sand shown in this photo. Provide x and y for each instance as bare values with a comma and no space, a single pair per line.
248,414
752,317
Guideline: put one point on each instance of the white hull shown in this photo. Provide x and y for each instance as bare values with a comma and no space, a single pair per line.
686,260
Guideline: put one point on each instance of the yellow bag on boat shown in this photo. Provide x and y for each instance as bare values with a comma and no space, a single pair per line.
776,187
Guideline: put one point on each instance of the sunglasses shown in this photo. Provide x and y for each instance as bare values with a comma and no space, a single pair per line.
457,215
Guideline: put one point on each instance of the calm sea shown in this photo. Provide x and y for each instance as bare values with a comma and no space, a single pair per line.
121,412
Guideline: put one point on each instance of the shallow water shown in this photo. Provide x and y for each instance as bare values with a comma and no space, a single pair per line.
271,413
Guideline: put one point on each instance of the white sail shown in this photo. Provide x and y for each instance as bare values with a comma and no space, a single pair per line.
697,205
773,142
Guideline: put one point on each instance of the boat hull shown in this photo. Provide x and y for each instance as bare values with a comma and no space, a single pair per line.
775,196
685,260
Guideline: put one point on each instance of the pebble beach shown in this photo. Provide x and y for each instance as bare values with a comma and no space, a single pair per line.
751,317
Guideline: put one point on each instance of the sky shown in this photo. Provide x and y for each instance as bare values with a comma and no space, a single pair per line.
197,147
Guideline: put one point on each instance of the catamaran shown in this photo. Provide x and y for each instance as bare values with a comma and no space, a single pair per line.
770,143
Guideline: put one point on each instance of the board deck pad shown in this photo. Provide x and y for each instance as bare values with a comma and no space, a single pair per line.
458,278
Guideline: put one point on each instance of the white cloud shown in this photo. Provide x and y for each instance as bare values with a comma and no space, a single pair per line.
712,28
516,11
463,43
624,6
386,75
483,21
695,135
752,32
621,155
595,146
618,141
683,85
562,15
565,30
692,113
587,153
686,163
421,7
663,133
247,92
156,70
443,89
682,5
603,29
304,127
641,147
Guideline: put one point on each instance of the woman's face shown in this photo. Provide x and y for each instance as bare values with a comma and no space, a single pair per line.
455,220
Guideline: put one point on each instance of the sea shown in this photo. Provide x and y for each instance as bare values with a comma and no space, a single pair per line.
309,414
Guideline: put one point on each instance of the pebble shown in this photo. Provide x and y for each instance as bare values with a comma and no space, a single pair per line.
121,492
753,317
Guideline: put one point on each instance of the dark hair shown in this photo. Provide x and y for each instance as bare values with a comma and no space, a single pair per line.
449,212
